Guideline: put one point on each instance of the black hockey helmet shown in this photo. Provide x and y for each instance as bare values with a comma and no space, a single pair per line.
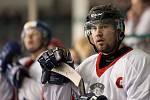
105,14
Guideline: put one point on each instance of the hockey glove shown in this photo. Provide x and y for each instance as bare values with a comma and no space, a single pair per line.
45,76
54,57
9,51
16,74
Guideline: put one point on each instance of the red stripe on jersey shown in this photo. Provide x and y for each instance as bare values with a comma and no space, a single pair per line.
99,70
28,63
72,98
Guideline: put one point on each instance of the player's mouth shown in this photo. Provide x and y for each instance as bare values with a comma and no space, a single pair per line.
30,42
100,41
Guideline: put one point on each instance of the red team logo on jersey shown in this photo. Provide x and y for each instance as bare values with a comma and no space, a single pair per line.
119,82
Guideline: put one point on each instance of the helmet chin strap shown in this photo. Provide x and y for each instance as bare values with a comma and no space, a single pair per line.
96,50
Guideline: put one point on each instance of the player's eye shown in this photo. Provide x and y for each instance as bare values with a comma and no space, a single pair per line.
93,28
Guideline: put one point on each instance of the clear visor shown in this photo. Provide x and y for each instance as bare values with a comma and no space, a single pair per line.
89,25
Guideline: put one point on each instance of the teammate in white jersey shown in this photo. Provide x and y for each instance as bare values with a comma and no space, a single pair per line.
26,73
35,37
9,51
117,72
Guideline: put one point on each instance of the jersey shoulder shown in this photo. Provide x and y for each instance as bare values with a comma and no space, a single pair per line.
137,55
137,60
87,63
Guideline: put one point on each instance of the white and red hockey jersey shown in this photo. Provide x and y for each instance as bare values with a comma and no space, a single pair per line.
31,88
126,78
6,89
34,68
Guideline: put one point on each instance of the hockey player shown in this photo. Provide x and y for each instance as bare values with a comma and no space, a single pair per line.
13,74
26,73
10,50
117,71
35,37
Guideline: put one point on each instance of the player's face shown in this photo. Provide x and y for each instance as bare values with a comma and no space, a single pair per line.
104,37
33,40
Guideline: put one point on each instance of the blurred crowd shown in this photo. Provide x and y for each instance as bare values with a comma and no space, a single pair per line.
137,25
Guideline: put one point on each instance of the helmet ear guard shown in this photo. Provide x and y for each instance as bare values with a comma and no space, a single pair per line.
87,29
87,32
121,29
